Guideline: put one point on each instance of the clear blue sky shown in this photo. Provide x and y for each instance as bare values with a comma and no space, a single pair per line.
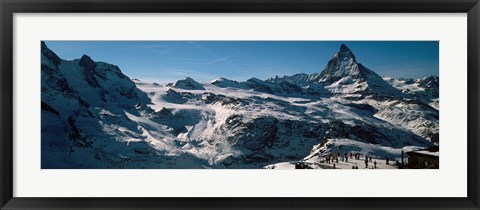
167,61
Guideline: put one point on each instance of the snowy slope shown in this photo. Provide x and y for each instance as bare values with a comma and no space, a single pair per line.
253,128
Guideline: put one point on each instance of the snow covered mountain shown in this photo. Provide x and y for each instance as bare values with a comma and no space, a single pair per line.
188,84
344,76
425,89
85,111
94,116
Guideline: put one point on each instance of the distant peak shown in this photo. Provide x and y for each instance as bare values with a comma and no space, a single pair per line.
220,79
188,84
188,79
87,63
254,79
86,58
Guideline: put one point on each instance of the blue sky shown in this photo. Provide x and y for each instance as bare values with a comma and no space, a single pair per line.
168,61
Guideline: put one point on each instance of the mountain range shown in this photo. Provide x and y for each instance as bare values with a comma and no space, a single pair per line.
94,116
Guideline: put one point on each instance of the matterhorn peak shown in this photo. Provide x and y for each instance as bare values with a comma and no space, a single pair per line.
344,47
345,53
344,75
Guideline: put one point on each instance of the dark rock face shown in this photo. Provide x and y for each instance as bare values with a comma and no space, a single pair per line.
435,137
57,80
89,66
288,88
364,107
261,133
259,85
76,136
409,81
177,97
87,63
211,98
48,108
337,129
50,54
346,53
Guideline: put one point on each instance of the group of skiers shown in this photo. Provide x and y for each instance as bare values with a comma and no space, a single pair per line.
335,157
331,158
343,157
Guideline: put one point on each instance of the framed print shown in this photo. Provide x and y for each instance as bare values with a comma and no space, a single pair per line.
211,104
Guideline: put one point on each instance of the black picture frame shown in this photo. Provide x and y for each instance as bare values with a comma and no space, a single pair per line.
10,7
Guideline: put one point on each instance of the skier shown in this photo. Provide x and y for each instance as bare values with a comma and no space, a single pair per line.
402,159
375,164
366,163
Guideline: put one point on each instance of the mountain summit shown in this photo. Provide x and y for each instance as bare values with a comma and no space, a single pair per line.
345,53
344,75
188,84
343,64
